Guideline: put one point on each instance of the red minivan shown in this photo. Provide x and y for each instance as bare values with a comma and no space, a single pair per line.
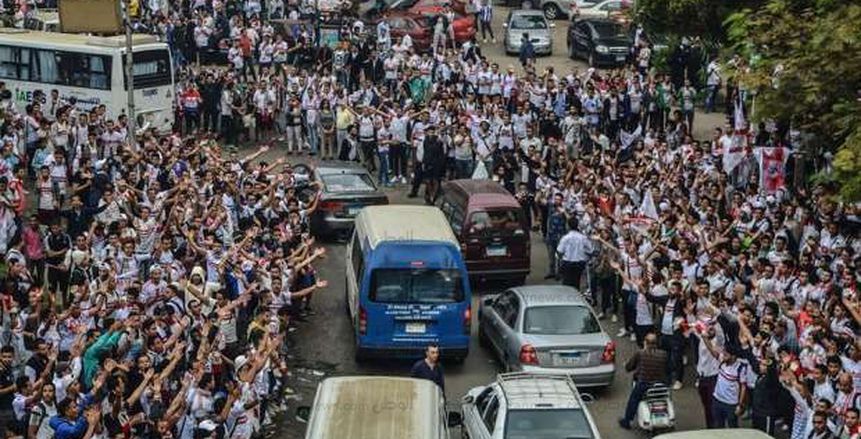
491,227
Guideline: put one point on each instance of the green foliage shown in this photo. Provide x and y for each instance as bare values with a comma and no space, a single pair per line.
703,18
807,72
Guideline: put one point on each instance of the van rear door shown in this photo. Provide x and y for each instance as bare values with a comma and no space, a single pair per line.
418,303
496,236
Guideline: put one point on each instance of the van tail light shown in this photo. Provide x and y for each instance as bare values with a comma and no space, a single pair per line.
528,355
331,206
363,321
609,354
467,320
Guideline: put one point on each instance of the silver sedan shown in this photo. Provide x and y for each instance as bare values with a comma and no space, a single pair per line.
547,329
530,24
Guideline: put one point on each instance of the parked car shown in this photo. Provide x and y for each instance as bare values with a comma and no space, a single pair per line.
601,9
547,329
491,228
407,23
556,9
423,13
601,42
531,23
528,406
346,189
434,6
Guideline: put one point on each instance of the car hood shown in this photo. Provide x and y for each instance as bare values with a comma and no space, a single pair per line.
540,35
539,341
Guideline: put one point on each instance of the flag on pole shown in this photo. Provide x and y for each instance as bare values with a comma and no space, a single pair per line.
772,168
647,207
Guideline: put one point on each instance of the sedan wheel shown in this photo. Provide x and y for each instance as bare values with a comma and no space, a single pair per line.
482,338
571,52
551,11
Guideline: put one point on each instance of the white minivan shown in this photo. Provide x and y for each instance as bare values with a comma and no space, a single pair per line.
378,407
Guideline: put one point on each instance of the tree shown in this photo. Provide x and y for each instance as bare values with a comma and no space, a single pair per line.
805,69
703,18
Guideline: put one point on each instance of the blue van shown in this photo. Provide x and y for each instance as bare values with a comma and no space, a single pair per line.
407,284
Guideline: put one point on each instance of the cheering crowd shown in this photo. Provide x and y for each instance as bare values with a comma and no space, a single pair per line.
148,287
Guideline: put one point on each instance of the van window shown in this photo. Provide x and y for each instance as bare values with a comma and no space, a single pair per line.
454,216
495,220
358,259
416,285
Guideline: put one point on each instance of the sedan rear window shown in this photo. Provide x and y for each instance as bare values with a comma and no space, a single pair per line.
560,320
418,285
348,183
547,424
528,22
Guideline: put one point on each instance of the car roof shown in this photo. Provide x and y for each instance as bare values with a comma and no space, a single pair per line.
728,433
524,390
543,295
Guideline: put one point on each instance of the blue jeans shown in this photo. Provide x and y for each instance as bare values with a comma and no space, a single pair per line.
724,414
383,175
711,98
634,399
463,168
313,139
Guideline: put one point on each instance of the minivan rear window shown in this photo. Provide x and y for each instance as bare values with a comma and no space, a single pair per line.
495,220
416,285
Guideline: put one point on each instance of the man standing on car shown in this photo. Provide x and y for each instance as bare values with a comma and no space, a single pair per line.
429,367
650,366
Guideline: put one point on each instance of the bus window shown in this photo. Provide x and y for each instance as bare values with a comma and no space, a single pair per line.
151,68
416,285
8,63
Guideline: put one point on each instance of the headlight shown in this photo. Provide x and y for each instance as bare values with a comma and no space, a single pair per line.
602,49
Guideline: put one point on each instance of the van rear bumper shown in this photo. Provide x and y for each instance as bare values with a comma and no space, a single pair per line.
412,353
499,273
414,349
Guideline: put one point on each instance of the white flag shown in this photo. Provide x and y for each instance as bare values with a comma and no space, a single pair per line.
480,172
739,122
629,138
647,207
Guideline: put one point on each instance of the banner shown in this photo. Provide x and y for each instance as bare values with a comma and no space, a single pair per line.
772,168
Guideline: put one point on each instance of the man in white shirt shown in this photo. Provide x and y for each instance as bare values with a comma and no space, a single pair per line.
575,250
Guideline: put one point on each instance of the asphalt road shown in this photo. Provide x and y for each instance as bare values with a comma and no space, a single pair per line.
324,345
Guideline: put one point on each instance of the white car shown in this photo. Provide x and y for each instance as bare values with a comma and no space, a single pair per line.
556,9
599,9
527,406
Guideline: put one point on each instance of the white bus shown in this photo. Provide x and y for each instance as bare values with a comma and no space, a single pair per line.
91,70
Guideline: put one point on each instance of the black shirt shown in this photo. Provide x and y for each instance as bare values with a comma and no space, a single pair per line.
422,370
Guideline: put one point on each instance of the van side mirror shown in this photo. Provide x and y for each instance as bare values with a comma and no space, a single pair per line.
455,419
303,414
588,398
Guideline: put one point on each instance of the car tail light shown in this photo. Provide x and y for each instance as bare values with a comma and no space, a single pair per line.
609,354
331,206
363,321
467,320
528,355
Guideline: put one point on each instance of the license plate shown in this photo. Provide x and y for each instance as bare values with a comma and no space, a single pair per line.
620,58
497,250
353,211
567,359
415,328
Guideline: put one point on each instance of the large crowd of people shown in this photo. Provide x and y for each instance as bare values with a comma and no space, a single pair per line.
148,286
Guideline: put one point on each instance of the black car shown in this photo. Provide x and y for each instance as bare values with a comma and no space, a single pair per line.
346,189
600,42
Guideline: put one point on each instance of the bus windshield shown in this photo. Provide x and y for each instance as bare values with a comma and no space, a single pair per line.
416,285
151,68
